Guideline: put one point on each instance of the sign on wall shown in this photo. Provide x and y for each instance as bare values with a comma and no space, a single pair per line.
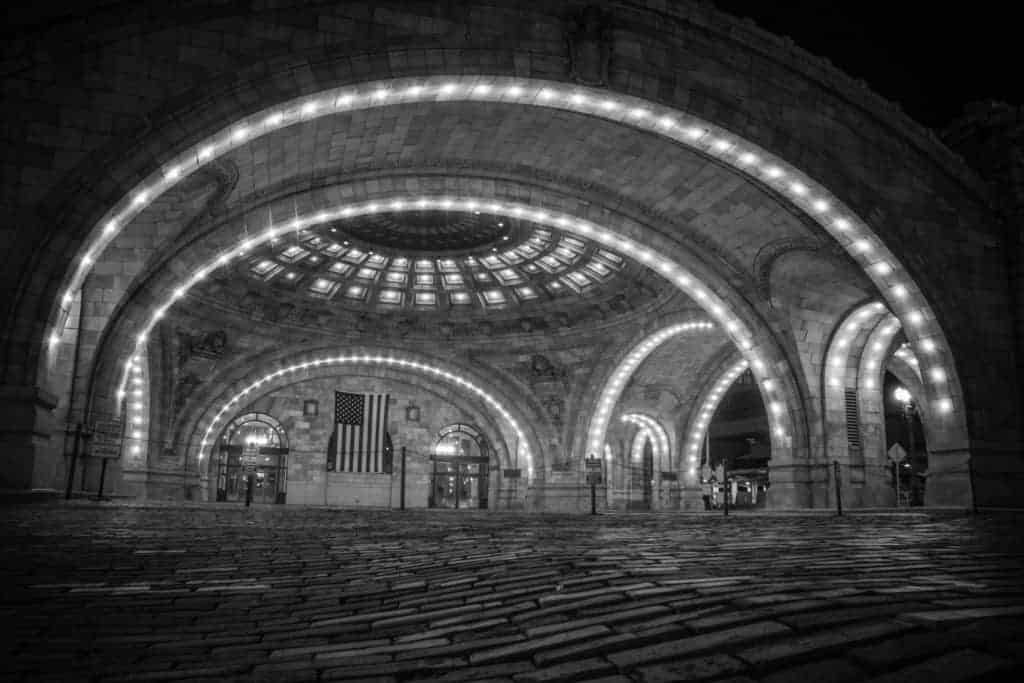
106,439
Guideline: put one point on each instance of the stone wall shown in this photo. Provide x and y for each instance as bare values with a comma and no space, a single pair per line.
309,482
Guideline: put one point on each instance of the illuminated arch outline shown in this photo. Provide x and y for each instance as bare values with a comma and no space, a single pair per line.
839,373
238,421
881,266
640,439
373,359
700,420
783,423
658,435
847,354
616,382
872,370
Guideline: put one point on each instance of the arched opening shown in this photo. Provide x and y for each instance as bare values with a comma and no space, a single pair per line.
251,453
906,443
717,145
736,461
460,476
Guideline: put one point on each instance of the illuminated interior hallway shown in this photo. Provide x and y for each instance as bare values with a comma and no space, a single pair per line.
662,240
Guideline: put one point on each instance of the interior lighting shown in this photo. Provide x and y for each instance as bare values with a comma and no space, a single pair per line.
820,205
798,189
937,375
882,268
491,401
927,345
604,236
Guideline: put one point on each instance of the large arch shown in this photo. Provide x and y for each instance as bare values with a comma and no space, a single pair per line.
853,234
717,298
597,104
296,367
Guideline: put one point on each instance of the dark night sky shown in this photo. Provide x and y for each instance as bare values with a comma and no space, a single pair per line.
931,61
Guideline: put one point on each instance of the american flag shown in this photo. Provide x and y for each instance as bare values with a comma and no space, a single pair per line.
360,431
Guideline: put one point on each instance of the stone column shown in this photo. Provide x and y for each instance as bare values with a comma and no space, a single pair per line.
27,459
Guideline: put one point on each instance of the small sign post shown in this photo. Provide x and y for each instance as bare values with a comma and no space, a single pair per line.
593,478
897,454
106,440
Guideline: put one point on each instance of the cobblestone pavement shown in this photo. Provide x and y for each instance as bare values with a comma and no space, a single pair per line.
103,592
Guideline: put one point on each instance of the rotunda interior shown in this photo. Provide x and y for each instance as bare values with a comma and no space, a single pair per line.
501,257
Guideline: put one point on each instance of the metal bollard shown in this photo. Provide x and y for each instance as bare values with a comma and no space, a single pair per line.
839,490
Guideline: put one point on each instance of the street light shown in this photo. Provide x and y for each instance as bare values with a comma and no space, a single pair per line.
903,396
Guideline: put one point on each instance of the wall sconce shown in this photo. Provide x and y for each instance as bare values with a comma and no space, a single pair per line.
412,413
310,408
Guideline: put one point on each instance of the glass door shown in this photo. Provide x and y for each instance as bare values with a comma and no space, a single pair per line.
459,483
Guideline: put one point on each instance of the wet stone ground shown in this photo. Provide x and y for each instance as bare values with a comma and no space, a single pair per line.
102,592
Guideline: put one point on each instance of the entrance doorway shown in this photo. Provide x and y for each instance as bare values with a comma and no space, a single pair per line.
460,472
641,484
252,446
459,483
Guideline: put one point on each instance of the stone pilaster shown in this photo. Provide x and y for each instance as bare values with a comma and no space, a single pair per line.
26,424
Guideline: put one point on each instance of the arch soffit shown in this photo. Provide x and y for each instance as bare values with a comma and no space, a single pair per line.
211,411
228,230
734,317
880,264
727,369
239,372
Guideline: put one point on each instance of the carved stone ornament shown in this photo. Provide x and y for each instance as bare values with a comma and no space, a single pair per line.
210,345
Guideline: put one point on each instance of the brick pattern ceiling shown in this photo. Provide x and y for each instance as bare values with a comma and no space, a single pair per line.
431,261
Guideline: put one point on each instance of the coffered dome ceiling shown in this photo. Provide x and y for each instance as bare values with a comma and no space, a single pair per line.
436,262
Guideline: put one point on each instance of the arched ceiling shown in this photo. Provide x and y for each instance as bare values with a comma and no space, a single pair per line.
675,369
453,267
457,265
707,203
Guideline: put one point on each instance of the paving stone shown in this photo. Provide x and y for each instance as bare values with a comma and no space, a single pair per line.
500,596
943,617
823,671
887,654
697,668
576,670
527,647
677,649
961,665
821,642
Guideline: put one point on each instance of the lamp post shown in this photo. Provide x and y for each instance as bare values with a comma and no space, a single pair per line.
903,396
